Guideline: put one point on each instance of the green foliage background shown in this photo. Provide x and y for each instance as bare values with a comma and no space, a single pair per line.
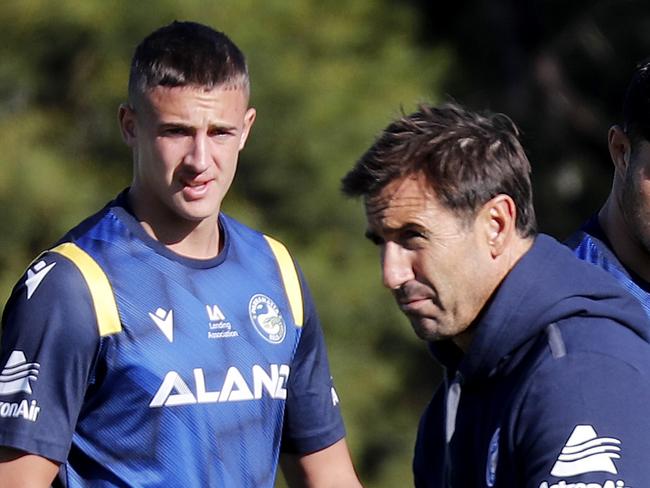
327,77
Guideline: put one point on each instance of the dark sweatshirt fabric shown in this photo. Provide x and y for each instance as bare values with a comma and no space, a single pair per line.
554,391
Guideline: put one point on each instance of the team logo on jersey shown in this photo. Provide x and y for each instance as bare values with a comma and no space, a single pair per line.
219,327
267,319
164,319
17,374
492,459
586,452
35,275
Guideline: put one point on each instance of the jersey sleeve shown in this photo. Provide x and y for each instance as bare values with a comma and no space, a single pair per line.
312,416
48,346
584,422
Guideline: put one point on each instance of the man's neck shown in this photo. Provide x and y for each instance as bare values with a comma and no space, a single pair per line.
198,242
192,239
625,245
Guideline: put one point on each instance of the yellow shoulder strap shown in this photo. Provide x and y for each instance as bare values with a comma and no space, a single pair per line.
101,292
289,278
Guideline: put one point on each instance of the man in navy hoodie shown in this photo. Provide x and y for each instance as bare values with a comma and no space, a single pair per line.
547,358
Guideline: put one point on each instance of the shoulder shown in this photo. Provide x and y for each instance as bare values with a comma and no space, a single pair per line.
588,369
586,392
585,346
277,255
64,285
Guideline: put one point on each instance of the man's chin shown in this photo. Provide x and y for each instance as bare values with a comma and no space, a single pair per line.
427,330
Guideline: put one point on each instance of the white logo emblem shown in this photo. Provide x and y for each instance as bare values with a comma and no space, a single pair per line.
585,452
35,276
492,459
214,313
267,319
335,397
17,373
220,328
165,322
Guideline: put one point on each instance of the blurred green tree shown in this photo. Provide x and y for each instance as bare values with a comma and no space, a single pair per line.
326,77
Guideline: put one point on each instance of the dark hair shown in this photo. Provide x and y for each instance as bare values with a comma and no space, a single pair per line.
186,53
636,106
467,158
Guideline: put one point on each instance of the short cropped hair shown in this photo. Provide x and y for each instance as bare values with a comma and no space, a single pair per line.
466,157
636,105
186,54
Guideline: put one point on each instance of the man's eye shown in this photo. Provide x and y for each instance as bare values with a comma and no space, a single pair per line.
412,239
412,234
174,131
220,133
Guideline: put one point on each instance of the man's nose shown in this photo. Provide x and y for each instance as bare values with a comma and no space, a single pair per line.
198,154
396,264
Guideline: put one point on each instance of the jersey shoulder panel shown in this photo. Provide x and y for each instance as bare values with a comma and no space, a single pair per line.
101,291
290,278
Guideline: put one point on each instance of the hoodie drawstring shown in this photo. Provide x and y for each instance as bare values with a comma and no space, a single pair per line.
453,392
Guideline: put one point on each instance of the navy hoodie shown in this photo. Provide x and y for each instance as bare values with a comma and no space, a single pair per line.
554,391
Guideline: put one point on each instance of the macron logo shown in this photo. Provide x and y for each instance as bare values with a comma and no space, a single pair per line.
585,452
35,276
17,373
165,322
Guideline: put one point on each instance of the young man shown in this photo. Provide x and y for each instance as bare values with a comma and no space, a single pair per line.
162,343
547,359
618,238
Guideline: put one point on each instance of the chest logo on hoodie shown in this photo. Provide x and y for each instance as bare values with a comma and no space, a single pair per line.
492,459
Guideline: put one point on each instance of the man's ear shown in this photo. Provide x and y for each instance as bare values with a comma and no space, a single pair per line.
620,148
126,119
249,118
499,216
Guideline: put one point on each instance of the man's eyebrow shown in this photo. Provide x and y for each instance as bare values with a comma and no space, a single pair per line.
222,126
174,125
391,230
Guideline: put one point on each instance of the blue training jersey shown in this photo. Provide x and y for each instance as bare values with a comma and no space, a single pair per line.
133,366
591,244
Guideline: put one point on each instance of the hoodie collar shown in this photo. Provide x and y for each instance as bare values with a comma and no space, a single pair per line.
535,293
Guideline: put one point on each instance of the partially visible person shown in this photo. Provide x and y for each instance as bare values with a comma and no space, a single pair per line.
547,358
617,238
162,343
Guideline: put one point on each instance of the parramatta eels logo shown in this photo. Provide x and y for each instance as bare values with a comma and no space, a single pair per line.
267,319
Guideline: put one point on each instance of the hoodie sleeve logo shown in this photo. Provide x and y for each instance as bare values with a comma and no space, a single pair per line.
17,374
585,452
